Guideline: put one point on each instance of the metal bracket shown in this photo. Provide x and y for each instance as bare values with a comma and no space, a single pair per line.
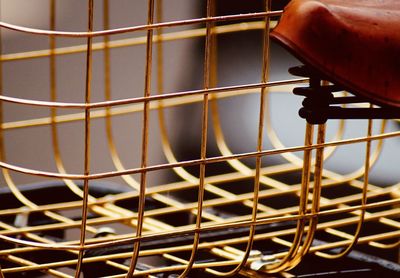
320,104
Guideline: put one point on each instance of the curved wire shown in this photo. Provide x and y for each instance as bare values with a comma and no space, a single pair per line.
348,177
384,246
211,160
372,160
145,137
139,100
315,206
208,52
256,210
115,157
10,182
373,157
112,148
236,164
53,110
53,125
54,133
363,203
117,162
329,151
12,186
139,40
254,204
286,261
147,27
291,157
167,149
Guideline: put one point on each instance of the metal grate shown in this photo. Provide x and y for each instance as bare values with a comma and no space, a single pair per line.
232,212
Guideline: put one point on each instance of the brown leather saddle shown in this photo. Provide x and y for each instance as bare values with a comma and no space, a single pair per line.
353,43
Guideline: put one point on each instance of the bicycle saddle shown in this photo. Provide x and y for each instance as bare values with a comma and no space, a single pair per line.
353,43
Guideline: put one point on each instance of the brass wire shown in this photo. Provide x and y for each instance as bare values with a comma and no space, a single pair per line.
165,37
54,133
109,113
1,108
291,157
86,158
108,121
204,134
193,162
53,96
363,201
313,249
286,262
213,244
224,149
16,192
145,138
238,219
315,206
139,27
307,215
167,147
325,225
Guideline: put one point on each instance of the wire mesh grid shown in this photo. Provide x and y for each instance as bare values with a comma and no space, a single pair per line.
251,218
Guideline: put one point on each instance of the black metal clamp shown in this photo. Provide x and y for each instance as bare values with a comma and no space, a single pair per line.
320,104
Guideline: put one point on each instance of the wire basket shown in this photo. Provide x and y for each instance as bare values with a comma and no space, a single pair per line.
99,179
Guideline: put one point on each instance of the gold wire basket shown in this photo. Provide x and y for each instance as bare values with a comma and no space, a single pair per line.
95,179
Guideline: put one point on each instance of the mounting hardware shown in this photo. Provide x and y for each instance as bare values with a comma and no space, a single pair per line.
320,104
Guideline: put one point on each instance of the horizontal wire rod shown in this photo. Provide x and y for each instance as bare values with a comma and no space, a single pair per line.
157,189
138,107
194,162
111,103
144,27
165,37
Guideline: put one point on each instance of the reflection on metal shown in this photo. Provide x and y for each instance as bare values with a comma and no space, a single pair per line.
249,218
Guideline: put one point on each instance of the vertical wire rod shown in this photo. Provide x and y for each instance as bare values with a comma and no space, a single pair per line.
204,132
145,135
1,107
87,139
260,135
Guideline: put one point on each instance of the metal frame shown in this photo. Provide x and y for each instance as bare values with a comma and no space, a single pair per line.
313,214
